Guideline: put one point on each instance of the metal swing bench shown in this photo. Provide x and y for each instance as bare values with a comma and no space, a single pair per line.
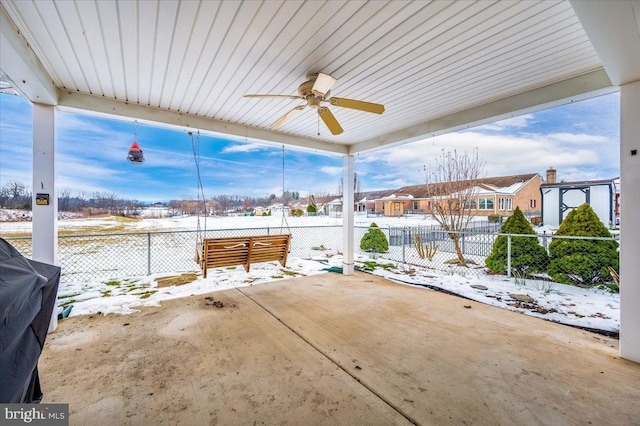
231,251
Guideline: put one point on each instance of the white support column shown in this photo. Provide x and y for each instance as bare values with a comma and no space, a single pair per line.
45,217
629,223
348,176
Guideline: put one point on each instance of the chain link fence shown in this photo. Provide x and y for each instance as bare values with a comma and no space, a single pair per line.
104,256
86,258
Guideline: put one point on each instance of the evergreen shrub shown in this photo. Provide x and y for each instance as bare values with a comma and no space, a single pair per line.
583,263
527,255
374,240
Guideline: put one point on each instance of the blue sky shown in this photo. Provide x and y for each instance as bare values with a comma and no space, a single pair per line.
580,140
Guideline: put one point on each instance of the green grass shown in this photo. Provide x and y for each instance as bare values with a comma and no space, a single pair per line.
371,265
67,303
113,283
68,296
148,294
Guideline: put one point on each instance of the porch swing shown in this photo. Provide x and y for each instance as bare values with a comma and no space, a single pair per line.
232,251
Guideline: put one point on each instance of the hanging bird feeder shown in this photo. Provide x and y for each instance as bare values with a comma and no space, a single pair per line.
135,153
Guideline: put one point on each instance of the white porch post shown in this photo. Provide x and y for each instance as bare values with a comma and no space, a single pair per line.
629,223
45,217
348,177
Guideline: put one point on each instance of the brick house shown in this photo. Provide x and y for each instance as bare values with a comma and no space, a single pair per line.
492,196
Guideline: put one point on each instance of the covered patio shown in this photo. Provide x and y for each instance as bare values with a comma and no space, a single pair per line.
437,67
335,349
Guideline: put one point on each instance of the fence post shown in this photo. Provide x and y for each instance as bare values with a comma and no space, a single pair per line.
403,250
148,253
509,255
463,251
544,241
268,231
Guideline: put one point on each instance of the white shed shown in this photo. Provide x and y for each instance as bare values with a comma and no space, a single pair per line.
558,199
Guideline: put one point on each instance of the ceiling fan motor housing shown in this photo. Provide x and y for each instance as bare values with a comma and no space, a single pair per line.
304,90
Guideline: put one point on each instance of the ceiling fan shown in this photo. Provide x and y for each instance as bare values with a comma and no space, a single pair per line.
315,91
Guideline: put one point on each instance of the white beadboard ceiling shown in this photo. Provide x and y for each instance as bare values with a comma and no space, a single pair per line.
436,66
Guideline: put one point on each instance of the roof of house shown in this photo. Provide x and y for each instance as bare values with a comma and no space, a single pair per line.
504,184
374,195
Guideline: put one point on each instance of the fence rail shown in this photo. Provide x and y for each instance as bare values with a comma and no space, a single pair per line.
105,256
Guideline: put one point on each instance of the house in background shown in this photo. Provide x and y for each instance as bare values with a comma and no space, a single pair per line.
259,211
279,209
492,196
559,198
366,202
335,207
397,203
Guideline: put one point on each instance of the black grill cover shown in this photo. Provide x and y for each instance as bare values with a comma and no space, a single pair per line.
28,291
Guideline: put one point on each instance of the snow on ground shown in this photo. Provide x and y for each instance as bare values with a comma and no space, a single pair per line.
590,308
123,296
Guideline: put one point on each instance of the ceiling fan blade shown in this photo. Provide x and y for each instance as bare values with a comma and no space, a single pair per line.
359,105
280,121
273,96
323,83
330,120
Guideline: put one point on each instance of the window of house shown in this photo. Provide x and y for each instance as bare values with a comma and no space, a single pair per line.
509,204
415,205
501,203
485,203
471,204
532,203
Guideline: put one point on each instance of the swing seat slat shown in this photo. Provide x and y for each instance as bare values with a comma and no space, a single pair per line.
231,251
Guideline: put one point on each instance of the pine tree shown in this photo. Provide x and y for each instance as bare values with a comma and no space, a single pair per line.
583,262
527,255
374,240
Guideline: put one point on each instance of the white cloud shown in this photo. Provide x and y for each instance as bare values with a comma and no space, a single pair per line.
398,183
504,154
245,147
519,122
580,138
331,170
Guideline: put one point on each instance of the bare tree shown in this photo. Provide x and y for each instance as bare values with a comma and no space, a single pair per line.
82,198
64,196
17,195
225,202
175,206
107,201
5,195
214,207
451,188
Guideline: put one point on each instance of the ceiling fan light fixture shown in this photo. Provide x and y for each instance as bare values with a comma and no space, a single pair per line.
323,83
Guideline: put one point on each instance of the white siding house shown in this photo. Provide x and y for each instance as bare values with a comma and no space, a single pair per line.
558,199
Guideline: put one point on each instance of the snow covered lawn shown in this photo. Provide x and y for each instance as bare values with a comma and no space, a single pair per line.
588,308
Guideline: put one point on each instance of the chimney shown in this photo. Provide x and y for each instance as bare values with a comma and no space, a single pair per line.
551,175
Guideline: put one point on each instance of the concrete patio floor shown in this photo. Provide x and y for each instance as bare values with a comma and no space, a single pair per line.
334,349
